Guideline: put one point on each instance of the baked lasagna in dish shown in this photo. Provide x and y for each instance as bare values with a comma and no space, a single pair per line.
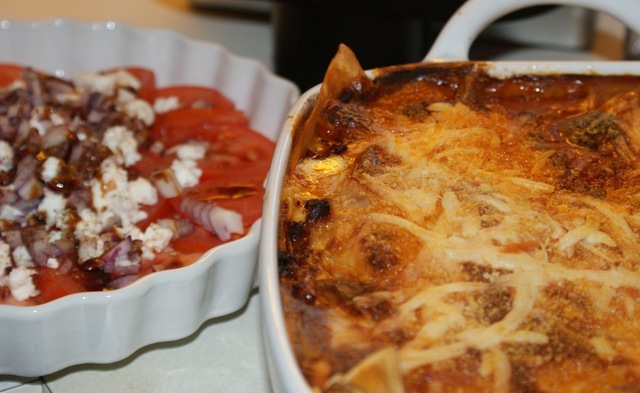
446,230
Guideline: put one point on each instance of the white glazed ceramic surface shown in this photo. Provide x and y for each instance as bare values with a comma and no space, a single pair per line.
103,327
452,44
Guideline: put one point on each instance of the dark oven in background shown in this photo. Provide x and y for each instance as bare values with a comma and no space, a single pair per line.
306,33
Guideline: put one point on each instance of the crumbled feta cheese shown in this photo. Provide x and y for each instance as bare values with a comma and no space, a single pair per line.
54,205
6,156
21,283
140,109
87,232
123,144
53,263
187,172
5,259
50,168
54,236
21,257
166,104
113,194
57,120
106,83
125,96
154,239
157,238
190,150
142,192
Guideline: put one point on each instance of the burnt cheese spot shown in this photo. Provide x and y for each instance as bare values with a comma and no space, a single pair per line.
380,251
374,160
317,209
286,264
590,130
416,111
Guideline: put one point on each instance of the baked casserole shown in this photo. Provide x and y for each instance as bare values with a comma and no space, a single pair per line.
445,230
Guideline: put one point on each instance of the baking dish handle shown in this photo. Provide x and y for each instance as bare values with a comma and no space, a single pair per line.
474,16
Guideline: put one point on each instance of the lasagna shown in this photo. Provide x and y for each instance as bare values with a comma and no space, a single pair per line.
446,230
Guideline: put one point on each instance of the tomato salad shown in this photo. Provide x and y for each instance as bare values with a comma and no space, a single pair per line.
106,177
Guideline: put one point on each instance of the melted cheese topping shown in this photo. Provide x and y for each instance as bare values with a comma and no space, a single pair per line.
457,241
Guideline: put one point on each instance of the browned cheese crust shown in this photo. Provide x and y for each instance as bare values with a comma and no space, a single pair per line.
443,230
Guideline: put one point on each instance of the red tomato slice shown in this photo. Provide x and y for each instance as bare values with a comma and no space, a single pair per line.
208,124
9,73
197,242
188,95
53,285
233,192
162,209
152,161
147,80
241,150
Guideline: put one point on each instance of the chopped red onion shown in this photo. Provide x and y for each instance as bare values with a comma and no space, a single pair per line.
216,219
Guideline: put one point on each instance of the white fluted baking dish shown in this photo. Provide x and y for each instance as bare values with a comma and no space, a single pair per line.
452,45
103,327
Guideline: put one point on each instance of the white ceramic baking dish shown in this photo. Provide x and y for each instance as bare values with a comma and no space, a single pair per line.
452,44
103,327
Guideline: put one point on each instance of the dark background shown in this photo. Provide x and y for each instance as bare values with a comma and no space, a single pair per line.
381,33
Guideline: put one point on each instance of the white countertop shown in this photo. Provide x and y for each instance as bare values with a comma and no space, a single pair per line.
225,354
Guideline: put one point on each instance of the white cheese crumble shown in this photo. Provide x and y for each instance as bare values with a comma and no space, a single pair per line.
21,283
5,259
6,156
54,206
50,168
166,104
154,239
87,232
190,151
54,236
140,109
187,172
21,257
57,120
112,194
53,263
125,96
106,83
123,144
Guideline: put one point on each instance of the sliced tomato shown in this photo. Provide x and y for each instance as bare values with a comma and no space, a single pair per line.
9,73
147,80
197,242
233,192
207,124
188,95
151,161
53,285
242,150
162,209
